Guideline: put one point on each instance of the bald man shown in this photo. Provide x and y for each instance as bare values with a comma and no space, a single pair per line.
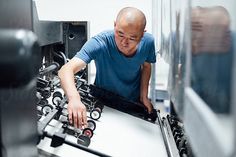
123,58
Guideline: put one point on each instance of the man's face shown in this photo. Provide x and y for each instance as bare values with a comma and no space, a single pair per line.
127,38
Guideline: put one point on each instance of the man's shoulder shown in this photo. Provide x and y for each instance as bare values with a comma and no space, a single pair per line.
105,37
148,36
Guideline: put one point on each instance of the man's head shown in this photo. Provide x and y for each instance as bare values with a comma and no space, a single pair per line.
129,29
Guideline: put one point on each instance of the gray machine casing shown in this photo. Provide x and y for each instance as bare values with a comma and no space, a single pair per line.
19,63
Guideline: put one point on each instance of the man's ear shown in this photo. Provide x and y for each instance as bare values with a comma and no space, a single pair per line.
144,32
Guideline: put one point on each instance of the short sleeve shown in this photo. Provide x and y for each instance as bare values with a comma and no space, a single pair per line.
90,50
151,58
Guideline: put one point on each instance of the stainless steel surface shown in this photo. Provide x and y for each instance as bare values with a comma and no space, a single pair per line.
165,31
179,46
208,113
212,53
202,125
175,40
198,42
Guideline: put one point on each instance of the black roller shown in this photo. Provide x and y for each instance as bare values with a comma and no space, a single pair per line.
46,109
57,97
83,140
20,57
95,114
88,132
53,67
43,102
91,124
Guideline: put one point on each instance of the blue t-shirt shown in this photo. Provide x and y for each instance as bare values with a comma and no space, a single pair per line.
114,71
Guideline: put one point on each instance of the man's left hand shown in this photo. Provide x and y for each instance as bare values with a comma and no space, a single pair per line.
147,103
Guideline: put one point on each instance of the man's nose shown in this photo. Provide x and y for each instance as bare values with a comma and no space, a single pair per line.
125,41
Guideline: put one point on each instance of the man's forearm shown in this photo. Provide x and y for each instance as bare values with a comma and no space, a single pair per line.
145,77
66,76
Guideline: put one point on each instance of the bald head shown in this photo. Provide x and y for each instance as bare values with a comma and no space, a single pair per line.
132,16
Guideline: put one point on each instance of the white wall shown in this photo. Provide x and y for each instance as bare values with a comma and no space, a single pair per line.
100,13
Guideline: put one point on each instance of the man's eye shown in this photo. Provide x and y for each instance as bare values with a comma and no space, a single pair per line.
132,39
120,35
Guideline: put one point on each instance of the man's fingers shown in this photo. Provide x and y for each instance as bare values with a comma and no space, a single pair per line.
70,116
77,115
75,119
84,119
149,109
80,124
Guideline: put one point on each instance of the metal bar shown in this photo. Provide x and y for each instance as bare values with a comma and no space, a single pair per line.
171,142
162,131
81,147
168,149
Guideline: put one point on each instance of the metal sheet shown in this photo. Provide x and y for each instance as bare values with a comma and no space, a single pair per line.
119,134
203,126
208,114
180,36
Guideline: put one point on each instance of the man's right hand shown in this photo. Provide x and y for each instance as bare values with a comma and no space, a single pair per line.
77,113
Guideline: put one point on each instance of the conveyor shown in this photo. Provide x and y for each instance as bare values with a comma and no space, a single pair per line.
116,134
121,130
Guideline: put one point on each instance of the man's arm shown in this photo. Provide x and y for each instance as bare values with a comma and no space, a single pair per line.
76,109
145,77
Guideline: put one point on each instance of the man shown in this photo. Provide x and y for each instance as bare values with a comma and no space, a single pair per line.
123,60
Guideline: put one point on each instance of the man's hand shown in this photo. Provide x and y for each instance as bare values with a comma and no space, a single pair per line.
147,103
77,113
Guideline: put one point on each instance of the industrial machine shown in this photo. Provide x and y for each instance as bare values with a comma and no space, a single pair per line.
197,40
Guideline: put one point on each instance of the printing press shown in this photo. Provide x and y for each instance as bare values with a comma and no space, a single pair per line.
39,119
33,106
42,115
